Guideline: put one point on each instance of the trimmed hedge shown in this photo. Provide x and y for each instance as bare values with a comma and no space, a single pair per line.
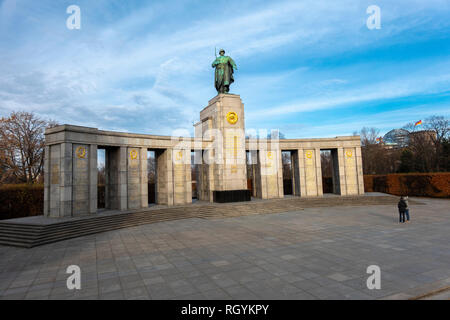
21,200
436,185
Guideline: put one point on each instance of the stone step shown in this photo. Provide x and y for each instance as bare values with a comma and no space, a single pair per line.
29,235
73,229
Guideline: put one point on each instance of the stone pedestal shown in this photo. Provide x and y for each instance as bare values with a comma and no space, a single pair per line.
224,160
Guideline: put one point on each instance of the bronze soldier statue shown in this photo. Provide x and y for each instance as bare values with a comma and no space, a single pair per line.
224,72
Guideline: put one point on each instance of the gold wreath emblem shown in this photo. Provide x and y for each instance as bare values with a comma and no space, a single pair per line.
81,152
133,154
269,155
179,155
232,117
349,153
309,154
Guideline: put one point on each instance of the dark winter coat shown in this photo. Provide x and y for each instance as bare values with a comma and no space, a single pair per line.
402,206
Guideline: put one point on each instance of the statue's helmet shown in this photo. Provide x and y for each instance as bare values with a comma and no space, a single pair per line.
222,51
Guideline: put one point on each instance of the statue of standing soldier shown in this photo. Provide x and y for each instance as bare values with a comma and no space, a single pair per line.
224,72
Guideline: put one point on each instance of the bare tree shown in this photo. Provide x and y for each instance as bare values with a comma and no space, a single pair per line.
101,171
369,136
427,145
440,127
22,145
151,168
326,162
286,161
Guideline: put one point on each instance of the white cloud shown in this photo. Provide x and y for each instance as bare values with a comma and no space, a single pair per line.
147,69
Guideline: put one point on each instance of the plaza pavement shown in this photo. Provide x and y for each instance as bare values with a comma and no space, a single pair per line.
315,253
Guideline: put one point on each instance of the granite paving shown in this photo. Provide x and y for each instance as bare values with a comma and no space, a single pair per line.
314,253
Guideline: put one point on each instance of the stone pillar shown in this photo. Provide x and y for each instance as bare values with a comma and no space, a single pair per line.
311,172
143,177
205,178
359,169
47,181
262,174
269,175
81,187
59,181
182,177
134,186
55,178
93,178
66,180
319,173
164,179
351,174
342,175
116,178
279,169
302,172
122,179
84,179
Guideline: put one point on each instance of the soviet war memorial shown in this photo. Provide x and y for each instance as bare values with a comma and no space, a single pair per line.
220,147
154,152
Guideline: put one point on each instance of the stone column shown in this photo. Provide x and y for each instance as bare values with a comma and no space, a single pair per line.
351,174
59,185
262,174
93,178
269,175
359,169
66,180
342,175
134,178
81,187
311,175
55,178
319,173
182,177
279,172
143,177
205,172
122,185
47,181
165,188
84,179
302,172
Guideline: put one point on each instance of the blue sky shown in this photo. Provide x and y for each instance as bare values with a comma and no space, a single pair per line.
307,68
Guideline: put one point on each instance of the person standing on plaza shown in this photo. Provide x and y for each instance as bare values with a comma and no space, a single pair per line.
407,208
402,209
